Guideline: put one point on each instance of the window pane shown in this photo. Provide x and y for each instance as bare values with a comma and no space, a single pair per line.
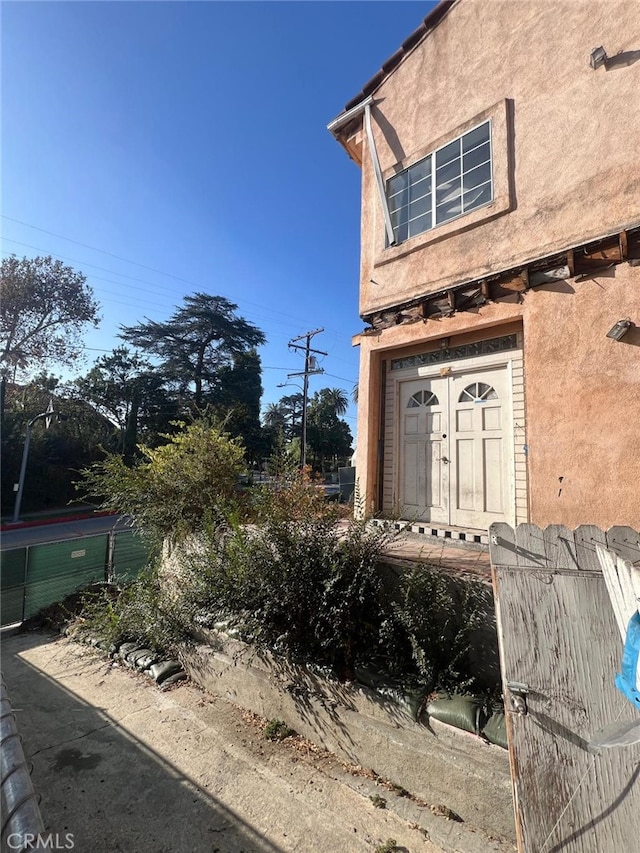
420,170
448,191
477,197
422,187
462,178
400,217
475,137
420,206
397,183
478,155
398,200
476,177
446,173
401,232
448,153
422,223
448,210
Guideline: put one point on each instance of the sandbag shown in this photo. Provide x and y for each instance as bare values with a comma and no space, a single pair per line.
495,729
463,712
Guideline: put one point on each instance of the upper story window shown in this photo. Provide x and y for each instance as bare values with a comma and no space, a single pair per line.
451,181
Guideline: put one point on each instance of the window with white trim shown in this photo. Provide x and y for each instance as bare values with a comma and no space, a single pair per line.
451,181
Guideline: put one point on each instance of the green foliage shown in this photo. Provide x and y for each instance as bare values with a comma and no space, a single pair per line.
176,487
199,340
277,730
44,308
389,846
328,436
285,416
302,585
440,615
55,454
380,803
237,401
142,612
125,388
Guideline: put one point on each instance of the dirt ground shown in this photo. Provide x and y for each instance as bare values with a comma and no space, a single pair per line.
123,766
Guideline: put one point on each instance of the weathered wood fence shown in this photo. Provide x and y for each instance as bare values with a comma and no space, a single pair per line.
559,651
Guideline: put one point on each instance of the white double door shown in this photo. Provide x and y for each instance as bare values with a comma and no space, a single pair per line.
456,463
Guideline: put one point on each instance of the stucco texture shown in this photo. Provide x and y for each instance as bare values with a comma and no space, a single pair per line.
566,169
583,402
566,158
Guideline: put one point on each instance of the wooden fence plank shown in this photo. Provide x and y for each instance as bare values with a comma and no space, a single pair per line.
558,635
587,536
502,545
624,541
530,545
560,638
560,547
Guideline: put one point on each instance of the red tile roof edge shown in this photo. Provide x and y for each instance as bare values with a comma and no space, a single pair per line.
429,23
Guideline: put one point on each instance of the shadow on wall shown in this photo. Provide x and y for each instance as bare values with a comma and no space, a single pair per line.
632,337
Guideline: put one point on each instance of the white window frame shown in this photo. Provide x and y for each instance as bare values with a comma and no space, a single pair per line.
433,187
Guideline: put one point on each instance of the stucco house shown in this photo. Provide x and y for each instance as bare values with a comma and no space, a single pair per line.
500,267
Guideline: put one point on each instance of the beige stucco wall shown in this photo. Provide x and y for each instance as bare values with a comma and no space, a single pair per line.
583,402
566,151
566,155
582,395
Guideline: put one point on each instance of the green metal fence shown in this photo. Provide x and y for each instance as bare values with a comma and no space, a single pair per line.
39,575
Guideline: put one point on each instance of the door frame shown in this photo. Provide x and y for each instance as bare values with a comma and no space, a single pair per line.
459,368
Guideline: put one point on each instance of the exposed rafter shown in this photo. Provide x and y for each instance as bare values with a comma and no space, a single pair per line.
580,262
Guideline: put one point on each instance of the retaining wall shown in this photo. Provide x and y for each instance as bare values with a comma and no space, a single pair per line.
436,762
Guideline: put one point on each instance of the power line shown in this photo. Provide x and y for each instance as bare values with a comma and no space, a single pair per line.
96,249
154,285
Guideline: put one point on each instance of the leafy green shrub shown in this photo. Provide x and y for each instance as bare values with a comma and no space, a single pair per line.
141,612
440,616
389,846
304,587
277,730
176,486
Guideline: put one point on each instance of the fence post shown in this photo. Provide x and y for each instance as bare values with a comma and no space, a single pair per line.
24,582
109,568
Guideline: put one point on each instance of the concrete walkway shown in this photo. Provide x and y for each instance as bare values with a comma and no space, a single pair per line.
411,548
125,767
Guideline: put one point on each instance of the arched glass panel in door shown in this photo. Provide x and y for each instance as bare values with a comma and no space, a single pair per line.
422,398
477,392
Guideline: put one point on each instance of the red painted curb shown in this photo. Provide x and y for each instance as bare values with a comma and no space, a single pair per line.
39,522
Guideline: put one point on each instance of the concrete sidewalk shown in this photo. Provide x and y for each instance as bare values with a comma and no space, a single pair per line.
125,767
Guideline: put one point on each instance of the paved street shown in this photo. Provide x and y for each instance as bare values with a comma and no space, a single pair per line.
19,537
125,767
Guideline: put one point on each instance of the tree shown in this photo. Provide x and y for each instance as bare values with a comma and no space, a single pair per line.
125,388
57,453
283,425
174,488
44,308
336,398
328,436
286,415
237,401
200,339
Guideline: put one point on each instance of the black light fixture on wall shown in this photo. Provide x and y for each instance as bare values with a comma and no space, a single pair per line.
598,57
620,329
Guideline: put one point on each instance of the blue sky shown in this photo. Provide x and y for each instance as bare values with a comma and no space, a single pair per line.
189,140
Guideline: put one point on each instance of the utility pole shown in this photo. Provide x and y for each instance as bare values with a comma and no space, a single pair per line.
310,368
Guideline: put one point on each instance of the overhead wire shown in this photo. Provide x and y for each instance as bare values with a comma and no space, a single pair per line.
128,261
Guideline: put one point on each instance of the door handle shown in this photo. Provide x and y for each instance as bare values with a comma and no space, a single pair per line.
445,460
